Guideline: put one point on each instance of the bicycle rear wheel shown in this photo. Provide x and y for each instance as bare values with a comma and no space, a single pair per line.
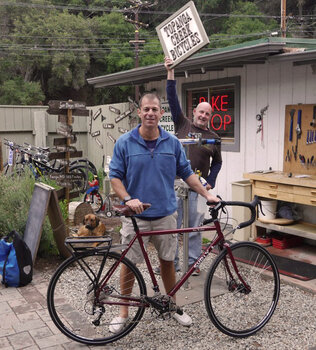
95,200
80,311
234,309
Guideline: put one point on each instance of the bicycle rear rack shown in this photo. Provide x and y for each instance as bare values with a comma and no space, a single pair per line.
87,243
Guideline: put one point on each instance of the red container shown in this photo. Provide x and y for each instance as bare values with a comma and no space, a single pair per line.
286,241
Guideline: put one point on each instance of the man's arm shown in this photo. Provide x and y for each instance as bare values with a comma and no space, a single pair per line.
176,111
214,170
119,188
196,186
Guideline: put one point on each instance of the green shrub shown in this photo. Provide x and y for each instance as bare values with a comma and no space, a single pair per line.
16,194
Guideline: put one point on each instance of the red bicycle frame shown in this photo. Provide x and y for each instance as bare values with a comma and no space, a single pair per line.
139,237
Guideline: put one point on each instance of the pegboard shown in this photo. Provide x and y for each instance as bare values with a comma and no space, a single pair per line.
300,153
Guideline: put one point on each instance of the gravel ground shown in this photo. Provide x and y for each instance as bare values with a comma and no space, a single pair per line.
293,326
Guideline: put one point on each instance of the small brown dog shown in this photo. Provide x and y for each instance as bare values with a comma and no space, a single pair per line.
92,226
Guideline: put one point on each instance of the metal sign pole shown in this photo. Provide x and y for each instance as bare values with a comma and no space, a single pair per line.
183,194
186,235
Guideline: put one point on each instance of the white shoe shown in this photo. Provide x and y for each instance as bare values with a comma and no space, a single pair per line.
183,319
117,324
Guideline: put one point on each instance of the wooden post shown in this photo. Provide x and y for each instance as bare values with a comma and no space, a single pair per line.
1,157
58,226
69,123
283,18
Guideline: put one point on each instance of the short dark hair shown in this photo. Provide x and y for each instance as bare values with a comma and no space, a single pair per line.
150,96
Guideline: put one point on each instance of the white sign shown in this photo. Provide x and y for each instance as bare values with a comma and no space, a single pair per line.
166,121
182,34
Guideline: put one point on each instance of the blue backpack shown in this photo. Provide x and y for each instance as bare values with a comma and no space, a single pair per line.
16,264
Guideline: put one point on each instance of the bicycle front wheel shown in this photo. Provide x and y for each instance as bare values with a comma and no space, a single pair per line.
81,310
241,300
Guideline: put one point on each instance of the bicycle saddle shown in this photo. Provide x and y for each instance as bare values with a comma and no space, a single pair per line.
126,210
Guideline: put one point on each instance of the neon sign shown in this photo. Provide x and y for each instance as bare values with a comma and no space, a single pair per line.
220,104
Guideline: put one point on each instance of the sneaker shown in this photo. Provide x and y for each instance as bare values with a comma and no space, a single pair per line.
157,270
117,324
183,319
196,272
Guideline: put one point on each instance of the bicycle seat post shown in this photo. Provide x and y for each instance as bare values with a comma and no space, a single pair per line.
136,228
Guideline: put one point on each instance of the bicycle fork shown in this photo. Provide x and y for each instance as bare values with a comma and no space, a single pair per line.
242,287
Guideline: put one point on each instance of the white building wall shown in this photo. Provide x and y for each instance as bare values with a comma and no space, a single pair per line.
276,84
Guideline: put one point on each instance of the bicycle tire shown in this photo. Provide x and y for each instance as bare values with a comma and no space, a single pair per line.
231,308
85,163
73,306
80,185
95,200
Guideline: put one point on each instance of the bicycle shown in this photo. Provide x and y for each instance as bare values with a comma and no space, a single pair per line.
39,165
93,196
84,293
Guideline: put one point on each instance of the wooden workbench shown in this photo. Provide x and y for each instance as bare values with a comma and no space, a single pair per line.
279,186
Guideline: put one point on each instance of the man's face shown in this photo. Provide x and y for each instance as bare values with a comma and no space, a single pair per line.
202,115
150,112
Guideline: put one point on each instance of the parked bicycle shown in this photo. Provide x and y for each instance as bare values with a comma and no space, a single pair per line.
85,293
36,159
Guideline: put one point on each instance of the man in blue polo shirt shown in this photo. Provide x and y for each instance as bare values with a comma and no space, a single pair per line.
143,168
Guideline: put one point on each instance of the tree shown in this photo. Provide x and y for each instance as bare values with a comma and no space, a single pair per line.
59,47
17,91
244,28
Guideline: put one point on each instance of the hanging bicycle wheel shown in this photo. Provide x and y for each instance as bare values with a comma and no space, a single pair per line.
95,199
81,183
235,308
83,311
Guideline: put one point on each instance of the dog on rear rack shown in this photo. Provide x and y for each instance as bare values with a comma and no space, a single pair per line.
92,226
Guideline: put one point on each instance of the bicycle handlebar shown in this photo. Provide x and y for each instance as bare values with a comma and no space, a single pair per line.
222,204
194,141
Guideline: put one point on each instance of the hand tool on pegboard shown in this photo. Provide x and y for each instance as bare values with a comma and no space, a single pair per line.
298,132
292,112
288,156
313,122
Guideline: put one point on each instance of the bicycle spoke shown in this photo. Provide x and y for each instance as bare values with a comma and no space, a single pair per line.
239,309
83,312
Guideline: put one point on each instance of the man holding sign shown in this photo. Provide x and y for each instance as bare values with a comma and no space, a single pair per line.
206,160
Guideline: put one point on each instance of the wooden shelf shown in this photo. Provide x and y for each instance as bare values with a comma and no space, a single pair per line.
301,229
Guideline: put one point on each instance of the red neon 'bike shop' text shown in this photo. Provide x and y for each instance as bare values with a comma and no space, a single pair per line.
219,103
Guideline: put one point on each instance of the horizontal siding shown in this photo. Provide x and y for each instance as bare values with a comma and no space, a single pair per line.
17,118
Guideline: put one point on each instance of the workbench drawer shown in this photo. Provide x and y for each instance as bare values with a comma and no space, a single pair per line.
269,193
273,186
305,191
309,200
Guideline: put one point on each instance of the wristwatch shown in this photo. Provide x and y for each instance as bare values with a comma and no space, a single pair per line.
126,199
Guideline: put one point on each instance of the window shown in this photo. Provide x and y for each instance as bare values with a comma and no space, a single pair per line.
224,97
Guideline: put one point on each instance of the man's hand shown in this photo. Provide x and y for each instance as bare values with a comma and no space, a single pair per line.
136,205
208,187
211,198
168,63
